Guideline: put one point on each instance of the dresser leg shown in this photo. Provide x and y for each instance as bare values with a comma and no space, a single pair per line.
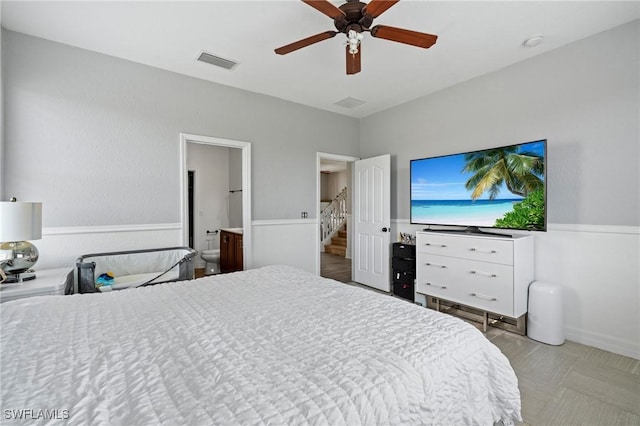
485,320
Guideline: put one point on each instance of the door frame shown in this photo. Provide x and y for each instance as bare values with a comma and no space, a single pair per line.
186,138
327,156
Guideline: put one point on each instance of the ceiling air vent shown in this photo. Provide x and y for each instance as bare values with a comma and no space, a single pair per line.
349,102
217,61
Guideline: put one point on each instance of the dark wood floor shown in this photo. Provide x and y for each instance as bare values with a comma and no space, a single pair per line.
335,267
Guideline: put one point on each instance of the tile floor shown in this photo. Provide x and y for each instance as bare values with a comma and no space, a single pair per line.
572,384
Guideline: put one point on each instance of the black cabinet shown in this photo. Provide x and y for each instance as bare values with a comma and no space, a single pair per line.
403,268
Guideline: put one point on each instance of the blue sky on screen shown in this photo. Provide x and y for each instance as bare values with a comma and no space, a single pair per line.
441,178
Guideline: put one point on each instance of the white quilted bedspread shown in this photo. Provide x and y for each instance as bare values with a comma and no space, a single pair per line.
273,345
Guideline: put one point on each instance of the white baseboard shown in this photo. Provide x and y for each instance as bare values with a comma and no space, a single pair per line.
602,341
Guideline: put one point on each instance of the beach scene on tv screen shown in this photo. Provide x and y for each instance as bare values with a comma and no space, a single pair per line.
499,187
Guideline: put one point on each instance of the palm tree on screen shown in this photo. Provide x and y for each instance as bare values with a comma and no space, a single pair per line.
520,171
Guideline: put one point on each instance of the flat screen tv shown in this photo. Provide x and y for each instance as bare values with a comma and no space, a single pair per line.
502,187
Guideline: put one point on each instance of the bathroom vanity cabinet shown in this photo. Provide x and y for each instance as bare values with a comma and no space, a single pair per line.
231,250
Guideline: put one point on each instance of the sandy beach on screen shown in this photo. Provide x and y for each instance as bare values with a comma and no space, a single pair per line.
476,220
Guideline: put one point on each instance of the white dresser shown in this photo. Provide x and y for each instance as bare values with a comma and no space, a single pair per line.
488,273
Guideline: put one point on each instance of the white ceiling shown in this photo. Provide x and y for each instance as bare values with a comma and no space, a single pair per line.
475,37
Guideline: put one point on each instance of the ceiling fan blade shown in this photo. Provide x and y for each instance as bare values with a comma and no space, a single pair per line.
353,61
376,8
327,8
305,42
401,35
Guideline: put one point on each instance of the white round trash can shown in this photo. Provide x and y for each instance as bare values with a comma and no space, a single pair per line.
545,317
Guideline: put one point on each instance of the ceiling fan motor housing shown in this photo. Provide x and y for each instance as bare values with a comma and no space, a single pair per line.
354,19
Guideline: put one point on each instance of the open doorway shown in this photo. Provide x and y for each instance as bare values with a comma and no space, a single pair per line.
334,191
216,195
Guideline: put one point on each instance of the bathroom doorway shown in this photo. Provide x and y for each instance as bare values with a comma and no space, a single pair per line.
216,192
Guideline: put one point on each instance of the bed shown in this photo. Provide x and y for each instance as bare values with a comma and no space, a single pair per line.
273,345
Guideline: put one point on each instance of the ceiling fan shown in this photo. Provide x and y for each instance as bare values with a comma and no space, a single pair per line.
353,19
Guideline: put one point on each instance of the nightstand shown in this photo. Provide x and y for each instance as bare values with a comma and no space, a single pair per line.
47,281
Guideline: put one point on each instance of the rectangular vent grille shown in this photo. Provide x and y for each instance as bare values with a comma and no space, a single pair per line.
217,61
349,102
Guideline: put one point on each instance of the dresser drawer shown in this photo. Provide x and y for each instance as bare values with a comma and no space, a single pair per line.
485,249
490,303
487,286
498,304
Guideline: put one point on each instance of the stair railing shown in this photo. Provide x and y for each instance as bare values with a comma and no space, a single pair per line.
333,216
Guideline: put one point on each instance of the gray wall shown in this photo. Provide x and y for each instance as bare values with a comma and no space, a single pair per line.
96,138
583,98
2,156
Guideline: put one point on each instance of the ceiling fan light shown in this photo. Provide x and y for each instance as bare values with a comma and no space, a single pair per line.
353,41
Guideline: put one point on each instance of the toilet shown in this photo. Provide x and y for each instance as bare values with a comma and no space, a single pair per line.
211,256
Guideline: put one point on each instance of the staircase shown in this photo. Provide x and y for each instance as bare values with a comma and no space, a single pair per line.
338,244
333,225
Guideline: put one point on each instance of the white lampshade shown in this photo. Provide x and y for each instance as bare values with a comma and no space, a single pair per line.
20,221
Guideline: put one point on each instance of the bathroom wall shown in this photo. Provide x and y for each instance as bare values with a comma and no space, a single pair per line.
211,190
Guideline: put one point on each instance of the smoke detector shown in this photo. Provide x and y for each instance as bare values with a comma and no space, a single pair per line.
534,40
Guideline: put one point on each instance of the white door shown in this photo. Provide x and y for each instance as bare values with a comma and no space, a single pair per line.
372,222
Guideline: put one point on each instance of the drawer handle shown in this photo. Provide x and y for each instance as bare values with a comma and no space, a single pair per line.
484,274
483,251
436,266
444,287
480,296
436,245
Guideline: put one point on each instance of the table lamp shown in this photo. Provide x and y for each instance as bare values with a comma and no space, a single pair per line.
19,222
